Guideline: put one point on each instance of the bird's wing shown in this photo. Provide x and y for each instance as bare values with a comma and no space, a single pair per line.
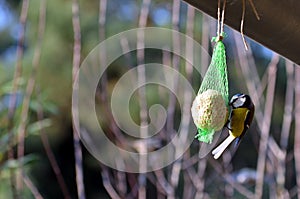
228,124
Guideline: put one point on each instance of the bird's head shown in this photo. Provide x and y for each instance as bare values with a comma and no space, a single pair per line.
240,101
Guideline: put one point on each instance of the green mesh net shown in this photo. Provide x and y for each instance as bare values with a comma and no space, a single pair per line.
209,108
216,75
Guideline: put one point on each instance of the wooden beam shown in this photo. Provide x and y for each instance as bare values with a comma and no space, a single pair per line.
278,27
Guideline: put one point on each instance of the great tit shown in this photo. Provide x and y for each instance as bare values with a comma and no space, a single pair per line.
240,118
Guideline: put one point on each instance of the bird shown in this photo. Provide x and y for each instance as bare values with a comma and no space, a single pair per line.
240,118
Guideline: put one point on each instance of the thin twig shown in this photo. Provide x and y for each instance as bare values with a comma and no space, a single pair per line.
187,97
202,163
255,86
121,183
13,100
107,184
288,108
173,172
243,19
175,64
297,128
254,9
20,52
196,181
31,81
205,43
189,191
51,157
32,187
242,25
102,53
241,189
262,119
250,74
142,97
266,126
286,125
175,169
161,179
76,64
102,19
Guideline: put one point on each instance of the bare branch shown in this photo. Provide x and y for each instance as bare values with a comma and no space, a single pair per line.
20,52
107,184
205,43
51,157
286,125
142,96
76,64
31,81
32,187
266,124
241,189
12,102
297,128
172,99
161,179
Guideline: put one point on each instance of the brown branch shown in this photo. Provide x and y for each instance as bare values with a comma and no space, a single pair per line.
13,100
286,125
247,63
189,190
102,53
255,86
51,157
121,184
76,64
31,81
102,19
107,184
20,52
254,9
175,63
202,163
196,181
175,170
31,187
263,119
297,128
266,124
161,179
205,43
241,189
187,100
142,97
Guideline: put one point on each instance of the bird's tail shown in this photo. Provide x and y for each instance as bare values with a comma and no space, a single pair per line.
217,152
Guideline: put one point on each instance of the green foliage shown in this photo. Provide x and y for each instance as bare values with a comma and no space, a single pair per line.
16,163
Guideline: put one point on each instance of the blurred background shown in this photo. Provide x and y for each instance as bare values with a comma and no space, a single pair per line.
42,44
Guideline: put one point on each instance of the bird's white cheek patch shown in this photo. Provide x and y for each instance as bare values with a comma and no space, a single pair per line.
239,102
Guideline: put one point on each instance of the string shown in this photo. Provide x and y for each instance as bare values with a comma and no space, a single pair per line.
223,17
220,28
243,19
218,14
242,26
254,9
